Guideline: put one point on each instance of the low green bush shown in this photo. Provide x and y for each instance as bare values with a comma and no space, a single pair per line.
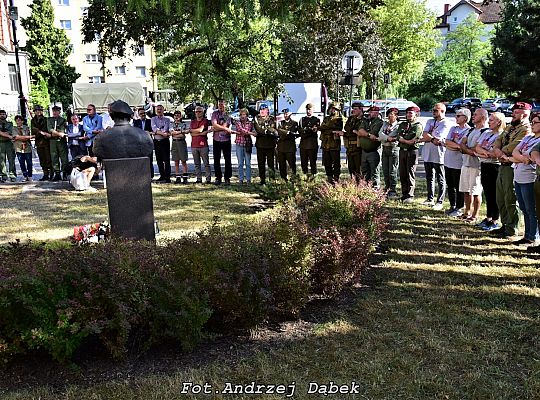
131,295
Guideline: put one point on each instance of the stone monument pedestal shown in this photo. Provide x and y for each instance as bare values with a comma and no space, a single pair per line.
129,196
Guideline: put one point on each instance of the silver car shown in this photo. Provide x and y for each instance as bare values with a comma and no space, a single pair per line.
498,104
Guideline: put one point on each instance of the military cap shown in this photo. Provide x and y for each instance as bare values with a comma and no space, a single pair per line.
521,105
373,108
121,107
309,105
285,111
56,108
357,104
263,106
335,105
413,108
37,107
392,110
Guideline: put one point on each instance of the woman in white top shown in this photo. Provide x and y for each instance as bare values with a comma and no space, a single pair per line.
524,178
489,169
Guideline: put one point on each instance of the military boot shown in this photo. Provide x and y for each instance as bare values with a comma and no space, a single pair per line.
57,177
185,179
45,177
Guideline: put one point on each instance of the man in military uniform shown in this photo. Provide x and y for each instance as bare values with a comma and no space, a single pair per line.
6,149
56,126
122,140
308,128
286,145
409,132
265,126
503,147
368,140
331,132
39,131
350,138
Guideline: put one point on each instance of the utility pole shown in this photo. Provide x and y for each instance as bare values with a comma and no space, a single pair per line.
13,16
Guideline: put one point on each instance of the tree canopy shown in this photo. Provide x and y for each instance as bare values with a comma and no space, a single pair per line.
48,48
512,65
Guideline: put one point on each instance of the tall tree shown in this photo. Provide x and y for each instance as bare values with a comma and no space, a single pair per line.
406,28
458,66
48,48
512,66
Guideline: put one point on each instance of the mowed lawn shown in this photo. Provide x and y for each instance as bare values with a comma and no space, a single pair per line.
49,211
445,312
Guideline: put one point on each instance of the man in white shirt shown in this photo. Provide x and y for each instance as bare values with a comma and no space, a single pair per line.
434,135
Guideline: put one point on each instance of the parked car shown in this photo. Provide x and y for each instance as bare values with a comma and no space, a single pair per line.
464,102
400,104
497,104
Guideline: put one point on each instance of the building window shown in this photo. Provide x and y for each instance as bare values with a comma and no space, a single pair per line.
455,19
120,70
13,78
93,58
141,72
63,2
65,24
70,48
139,51
96,79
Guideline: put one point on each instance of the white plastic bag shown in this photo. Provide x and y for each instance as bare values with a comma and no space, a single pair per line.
77,180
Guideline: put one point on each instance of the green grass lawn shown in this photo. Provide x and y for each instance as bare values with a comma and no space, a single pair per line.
446,312
29,212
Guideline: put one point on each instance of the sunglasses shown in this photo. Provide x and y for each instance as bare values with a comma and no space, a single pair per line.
198,111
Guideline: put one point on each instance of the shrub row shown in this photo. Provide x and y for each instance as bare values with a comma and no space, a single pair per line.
131,295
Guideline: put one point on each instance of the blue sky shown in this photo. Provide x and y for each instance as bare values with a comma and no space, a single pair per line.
438,5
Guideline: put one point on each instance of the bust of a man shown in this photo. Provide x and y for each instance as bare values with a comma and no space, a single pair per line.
123,140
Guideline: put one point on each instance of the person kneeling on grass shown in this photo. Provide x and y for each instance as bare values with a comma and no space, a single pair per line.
84,168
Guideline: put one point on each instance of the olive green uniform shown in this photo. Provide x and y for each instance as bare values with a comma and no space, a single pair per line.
354,152
408,156
371,151
7,151
286,146
504,187
308,128
42,145
265,144
58,145
331,146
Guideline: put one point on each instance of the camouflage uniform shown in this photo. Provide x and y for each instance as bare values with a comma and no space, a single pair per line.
506,196
408,156
39,124
350,139
331,145
286,146
265,144
7,151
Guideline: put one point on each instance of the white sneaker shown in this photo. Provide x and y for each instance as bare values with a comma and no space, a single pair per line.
428,203
455,214
91,189
438,207
408,200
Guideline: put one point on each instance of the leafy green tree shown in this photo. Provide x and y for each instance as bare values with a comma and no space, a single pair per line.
406,28
39,93
512,65
48,49
458,66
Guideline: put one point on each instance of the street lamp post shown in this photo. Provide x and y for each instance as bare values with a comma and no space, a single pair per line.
14,16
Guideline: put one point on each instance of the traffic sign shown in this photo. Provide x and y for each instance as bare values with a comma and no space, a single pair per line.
352,62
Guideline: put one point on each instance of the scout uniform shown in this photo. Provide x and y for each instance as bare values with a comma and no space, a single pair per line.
350,139
504,187
286,145
408,154
6,150
39,124
266,143
371,149
58,145
390,154
331,143
307,129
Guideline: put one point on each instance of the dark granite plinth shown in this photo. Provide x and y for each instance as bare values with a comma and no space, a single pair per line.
129,195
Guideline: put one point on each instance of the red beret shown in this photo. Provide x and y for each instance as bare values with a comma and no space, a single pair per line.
374,108
392,110
521,105
413,108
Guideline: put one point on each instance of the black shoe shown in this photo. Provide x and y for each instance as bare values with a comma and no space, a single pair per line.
177,181
533,249
64,177
498,232
227,182
13,179
217,182
57,177
2,180
44,178
198,182
163,181
522,241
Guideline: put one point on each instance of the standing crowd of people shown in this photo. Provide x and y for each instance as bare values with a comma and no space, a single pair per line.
476,155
